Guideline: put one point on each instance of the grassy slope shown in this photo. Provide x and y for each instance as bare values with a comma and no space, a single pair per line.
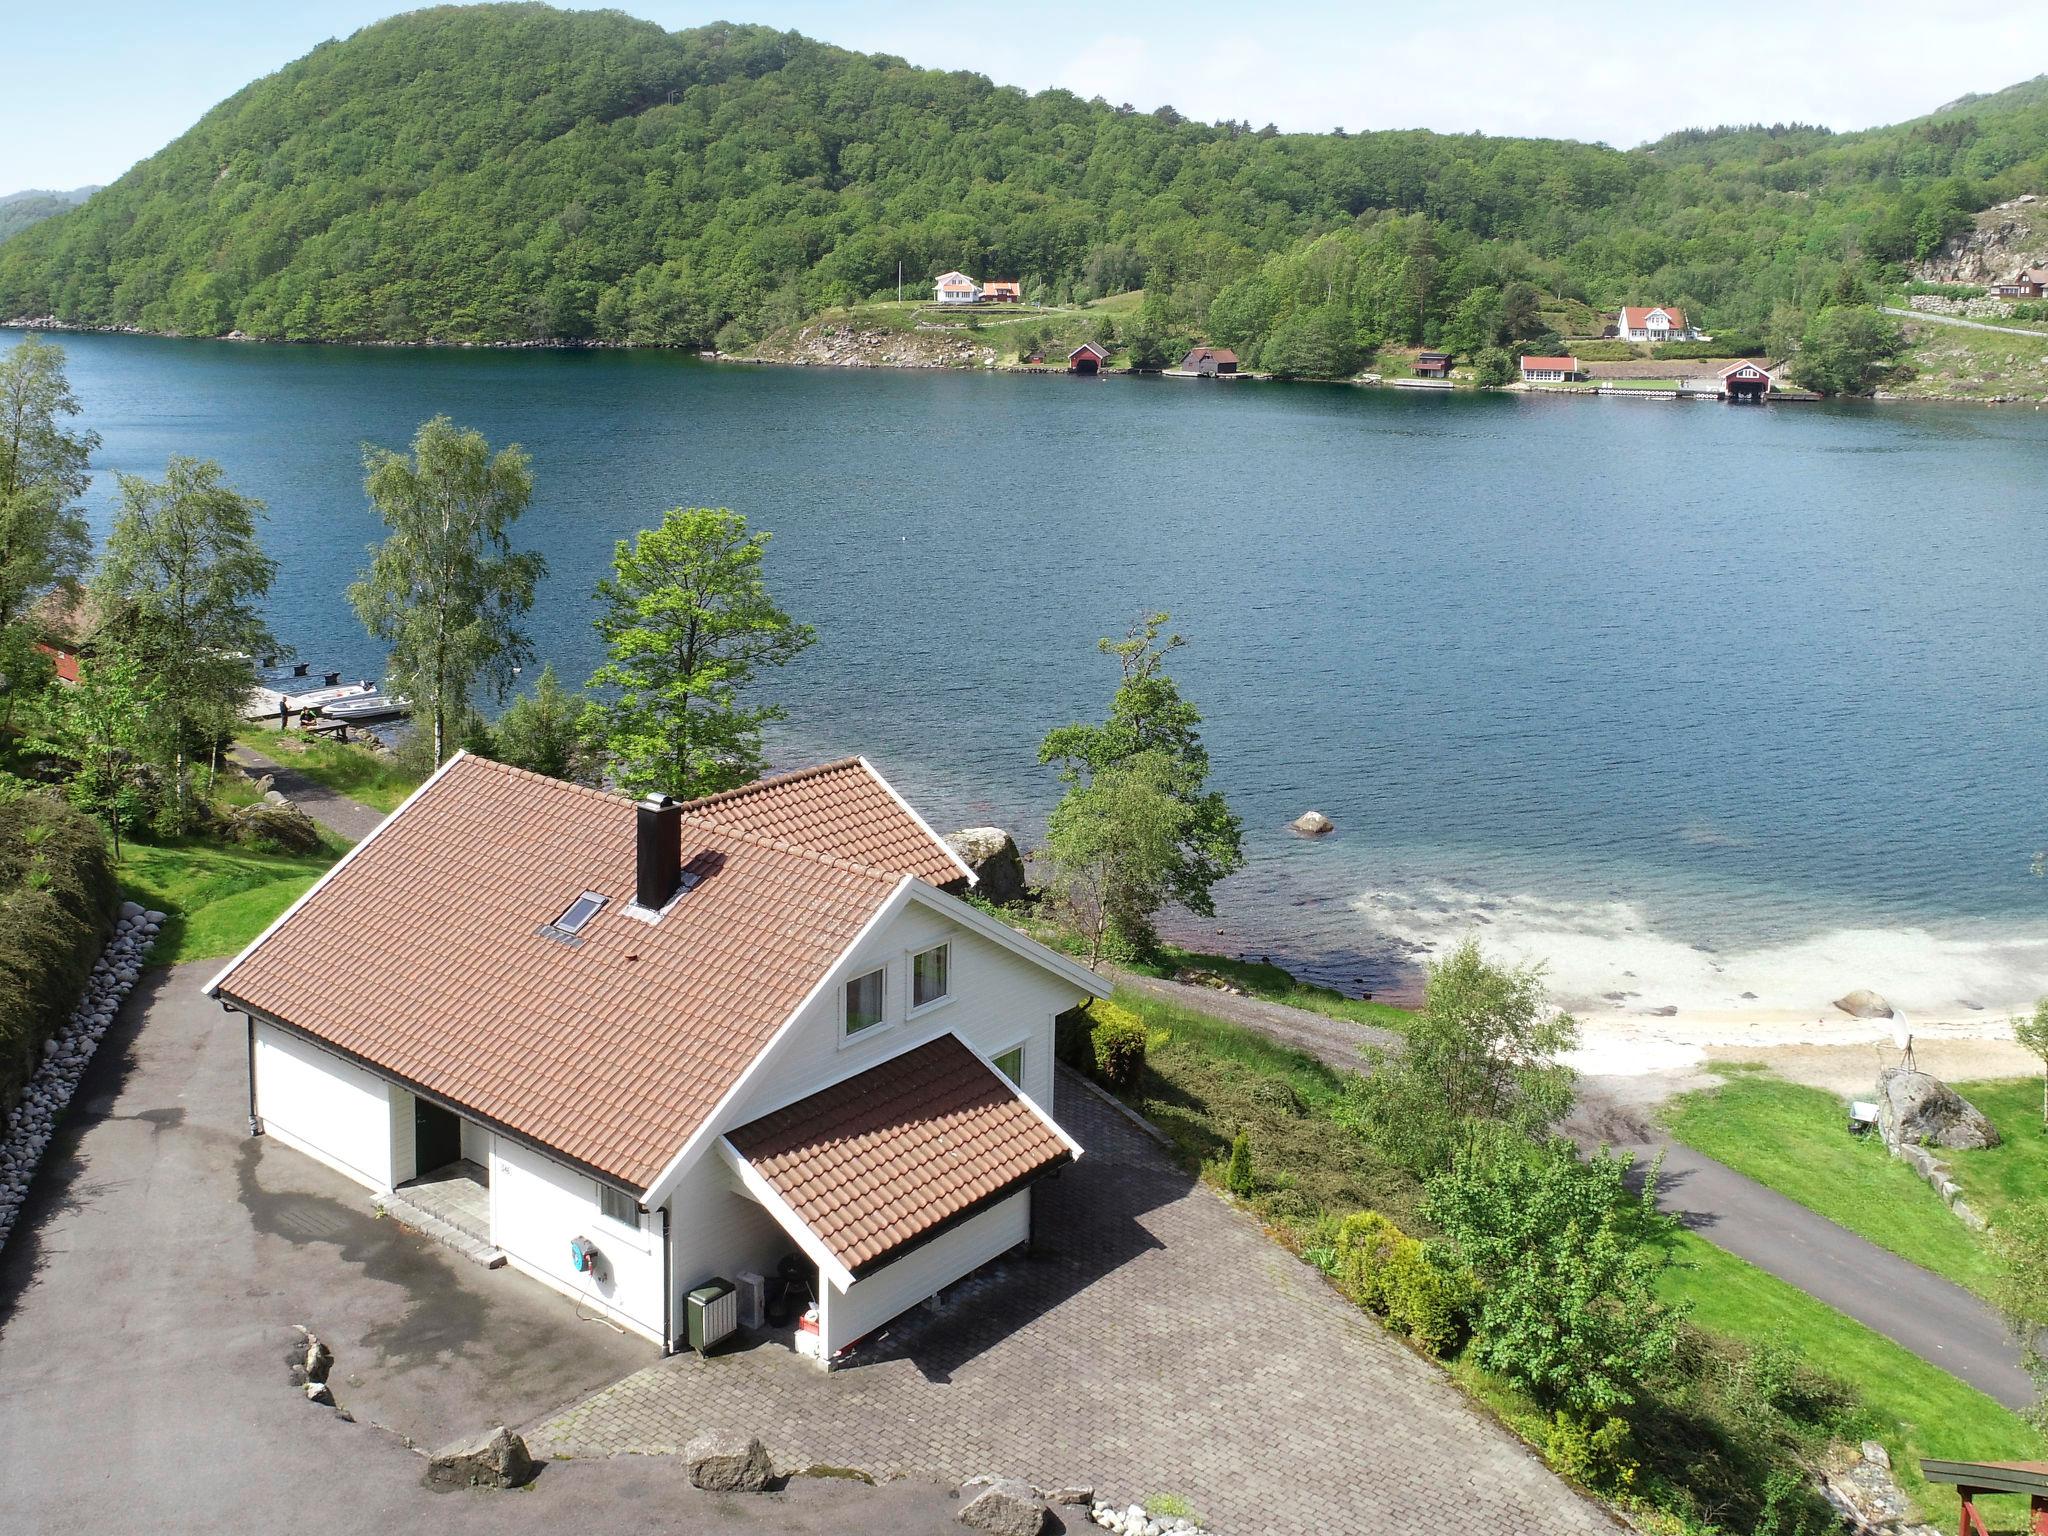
1280,986
1922,1411
1207,1078
371,777
1952,361
2016,1169
1793,1139
217,898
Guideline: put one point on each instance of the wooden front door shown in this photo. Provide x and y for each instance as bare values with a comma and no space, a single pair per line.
437,1136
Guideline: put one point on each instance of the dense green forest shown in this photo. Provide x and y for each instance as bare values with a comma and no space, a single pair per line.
513,172
18,210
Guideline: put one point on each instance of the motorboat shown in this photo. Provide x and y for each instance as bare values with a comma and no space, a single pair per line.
362,708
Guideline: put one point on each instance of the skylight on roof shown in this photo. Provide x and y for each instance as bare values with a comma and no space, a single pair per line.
580,912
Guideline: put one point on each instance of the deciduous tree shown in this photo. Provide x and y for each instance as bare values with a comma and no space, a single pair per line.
688,623
2032,1033
446,590
181,589
44,469
548,731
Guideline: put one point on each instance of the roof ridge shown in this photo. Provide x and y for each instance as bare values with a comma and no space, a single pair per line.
771,781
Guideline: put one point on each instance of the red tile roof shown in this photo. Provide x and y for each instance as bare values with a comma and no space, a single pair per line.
1636,319
892,1154
1567,364
844,808
427,955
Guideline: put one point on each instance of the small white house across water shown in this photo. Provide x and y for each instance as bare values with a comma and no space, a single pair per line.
637,1047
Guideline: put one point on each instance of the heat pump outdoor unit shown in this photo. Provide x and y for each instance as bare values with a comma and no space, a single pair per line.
714,1314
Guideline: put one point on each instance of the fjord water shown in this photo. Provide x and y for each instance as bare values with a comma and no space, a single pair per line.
1692,700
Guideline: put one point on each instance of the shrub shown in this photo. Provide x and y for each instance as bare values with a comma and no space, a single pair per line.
57,899
1386,1271
1947,290
1602,351
1117,1046
1732,345
1237,1175
1588,1453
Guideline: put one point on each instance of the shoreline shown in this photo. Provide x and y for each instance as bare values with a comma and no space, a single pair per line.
42,326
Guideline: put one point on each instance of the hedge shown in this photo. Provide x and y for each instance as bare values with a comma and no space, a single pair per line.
57,902
1720,346
1103,1040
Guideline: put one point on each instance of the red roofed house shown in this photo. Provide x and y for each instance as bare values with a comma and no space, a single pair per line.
635,1047
1433,365
1654,324
1549,370
2031,283
1745,382
1002,291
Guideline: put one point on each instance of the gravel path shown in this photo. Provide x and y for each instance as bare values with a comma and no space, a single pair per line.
338,813
1336,1042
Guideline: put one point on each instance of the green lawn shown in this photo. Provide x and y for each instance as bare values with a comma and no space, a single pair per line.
1280,986
1919,1409
372,777
217,898
1793,1139
2017,1168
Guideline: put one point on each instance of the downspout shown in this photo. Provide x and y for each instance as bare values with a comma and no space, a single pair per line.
668,1286
255,1125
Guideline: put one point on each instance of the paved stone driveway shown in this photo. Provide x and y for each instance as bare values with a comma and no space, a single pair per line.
1157,1343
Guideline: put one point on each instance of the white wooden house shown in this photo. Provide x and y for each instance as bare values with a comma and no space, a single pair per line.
956,288
657,1043
1656,323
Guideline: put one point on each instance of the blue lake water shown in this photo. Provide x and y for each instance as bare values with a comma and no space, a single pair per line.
1691,700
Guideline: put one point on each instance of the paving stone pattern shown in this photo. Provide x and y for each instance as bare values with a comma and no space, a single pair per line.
1157,1342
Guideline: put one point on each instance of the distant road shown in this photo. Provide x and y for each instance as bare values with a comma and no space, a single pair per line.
1970,325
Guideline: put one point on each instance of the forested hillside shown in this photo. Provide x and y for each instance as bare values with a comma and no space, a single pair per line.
18,210
514,172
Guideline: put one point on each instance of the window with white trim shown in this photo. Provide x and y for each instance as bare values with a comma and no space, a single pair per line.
928,979
864,1002
1011,1064
618,1206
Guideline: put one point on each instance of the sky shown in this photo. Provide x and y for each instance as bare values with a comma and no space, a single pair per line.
92,86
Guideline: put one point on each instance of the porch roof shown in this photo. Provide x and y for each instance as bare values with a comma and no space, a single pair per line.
890,1157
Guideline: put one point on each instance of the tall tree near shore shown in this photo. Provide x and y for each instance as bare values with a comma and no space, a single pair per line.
688,622
1149,747
181,587
446,590
43,472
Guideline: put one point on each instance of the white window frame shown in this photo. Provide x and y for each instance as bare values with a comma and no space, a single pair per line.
913,1009
850,1036
1023,1050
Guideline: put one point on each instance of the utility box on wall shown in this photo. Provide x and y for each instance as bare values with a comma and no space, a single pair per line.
713,1314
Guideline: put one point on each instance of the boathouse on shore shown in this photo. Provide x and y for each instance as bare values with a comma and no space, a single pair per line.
1087,358
1549,370
1433,365
1747,382
1209,361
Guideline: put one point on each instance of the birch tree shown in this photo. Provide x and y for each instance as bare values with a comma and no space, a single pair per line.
43,472
181,589
446,590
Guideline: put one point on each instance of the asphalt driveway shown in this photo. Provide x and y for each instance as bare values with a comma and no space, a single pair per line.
147,1293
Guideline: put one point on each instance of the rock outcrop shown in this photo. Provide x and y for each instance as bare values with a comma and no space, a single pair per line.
1864,1004
495,1459
997,864
722,1461
1313,824
2005,239
1919,1109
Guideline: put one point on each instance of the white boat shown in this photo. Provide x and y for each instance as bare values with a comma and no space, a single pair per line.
365,707
321,698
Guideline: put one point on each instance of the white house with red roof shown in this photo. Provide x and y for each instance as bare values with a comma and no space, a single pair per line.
628,1049
956,288
1549,370
1657,323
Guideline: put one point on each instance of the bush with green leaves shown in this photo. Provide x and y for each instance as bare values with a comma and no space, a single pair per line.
1238,1176
1564,1261
1117,1045
1592,1452
57,901
1386,1271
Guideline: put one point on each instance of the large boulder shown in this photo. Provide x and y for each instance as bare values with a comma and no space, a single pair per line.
1917,1108
1002,1505
281,828
1313,824
497,1458
992,854
1864,1004
724,1462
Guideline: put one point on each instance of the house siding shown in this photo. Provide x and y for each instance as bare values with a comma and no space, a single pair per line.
850,1315
720,1232
538,1206
332,1110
